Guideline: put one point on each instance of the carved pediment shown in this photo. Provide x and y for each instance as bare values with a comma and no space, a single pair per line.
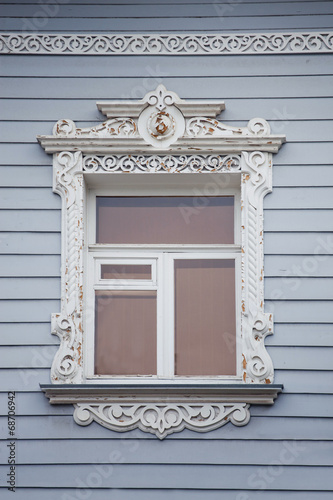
161,121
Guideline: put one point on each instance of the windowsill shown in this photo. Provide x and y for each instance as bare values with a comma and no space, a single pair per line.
214,391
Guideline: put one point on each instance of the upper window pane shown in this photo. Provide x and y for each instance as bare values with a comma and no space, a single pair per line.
125,272
165,220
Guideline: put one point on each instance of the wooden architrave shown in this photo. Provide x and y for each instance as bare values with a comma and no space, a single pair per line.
162,134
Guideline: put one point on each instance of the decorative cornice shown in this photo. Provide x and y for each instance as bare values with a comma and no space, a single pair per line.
176,44
156,124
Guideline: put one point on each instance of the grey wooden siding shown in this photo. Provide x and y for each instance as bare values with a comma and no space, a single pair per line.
160,15
60,460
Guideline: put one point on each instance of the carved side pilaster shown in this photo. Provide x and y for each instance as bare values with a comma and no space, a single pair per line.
67,325
256,170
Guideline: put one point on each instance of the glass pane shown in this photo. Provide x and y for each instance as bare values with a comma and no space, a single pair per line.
125,272
125,332
205,318
166,219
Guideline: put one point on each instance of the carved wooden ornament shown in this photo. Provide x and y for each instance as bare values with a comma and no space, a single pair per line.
163,135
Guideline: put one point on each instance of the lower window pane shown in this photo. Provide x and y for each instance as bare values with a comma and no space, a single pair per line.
205,318
125,332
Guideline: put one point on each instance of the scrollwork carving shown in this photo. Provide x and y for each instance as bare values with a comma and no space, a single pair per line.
256,183
167,163
115,127
67,325
190,44
201,126
162,418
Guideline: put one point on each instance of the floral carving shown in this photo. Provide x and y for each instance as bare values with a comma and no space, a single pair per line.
120,127
190,44
256,183
167,163
201,126
67,325
162,418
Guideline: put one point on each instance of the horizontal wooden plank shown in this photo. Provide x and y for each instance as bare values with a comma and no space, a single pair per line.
172,24
260,428
176,476
31,176
80,109
301,334
30,265
29,198
300,197
30,288
302,175
24,379
30,220
297,405
306,381
298,220
113,88
297,266
21,311
153,493
296,288
298,311
131,66
282,243
27,334
195,452
28,356
159,2
30,243
234,9
290,154
300,358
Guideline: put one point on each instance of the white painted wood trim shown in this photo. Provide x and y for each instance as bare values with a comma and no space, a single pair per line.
162,410
161,127
171,43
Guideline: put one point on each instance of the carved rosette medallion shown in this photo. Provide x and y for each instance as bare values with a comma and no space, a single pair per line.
161,123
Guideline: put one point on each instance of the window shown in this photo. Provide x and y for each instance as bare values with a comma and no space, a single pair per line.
162,323
162,284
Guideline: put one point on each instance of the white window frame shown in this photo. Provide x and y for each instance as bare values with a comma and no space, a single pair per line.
162,254
190,148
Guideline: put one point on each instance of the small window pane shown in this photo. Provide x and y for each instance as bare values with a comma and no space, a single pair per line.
125,272
205,319
125,332
165,220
